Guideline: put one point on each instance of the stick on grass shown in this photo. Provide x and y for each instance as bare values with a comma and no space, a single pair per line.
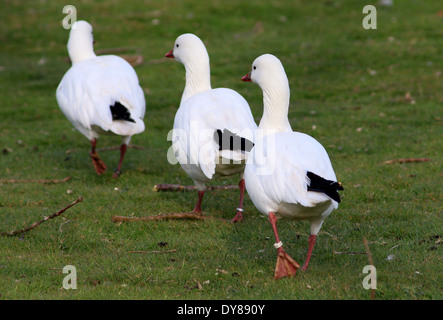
371,262
45,181
131,146
111,148
402,160
154,251
178,187
351,253
36,224
166,216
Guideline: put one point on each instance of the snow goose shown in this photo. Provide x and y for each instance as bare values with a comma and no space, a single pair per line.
288,174
100,94
213,128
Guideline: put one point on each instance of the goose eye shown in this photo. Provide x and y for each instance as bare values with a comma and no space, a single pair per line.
254,67
177,45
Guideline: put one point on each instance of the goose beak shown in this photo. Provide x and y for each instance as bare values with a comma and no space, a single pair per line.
247,78
169,54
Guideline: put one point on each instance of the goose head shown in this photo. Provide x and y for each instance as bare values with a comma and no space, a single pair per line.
268,72
188,49
191,52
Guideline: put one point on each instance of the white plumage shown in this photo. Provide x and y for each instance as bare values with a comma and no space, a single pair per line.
277,170
100,94
280,184
202,112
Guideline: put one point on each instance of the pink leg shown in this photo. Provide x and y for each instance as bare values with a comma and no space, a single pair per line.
198,208
286,266
312,239
99,165
239,216
117,171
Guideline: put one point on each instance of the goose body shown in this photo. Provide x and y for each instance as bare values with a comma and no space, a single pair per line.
198,118
205,119
100,94
289,174
288,156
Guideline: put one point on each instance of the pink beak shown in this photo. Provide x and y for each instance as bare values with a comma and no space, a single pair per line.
247,78
169,54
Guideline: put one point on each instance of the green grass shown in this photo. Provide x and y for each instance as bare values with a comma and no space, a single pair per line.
349,91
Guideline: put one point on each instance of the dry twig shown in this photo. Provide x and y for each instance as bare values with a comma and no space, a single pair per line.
154,251
36,224
133,60
131,146
351,253
404,160
166,216
178,187
4,181
371,262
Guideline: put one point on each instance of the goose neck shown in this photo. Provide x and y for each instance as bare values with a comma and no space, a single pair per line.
198,79
276,107
80,51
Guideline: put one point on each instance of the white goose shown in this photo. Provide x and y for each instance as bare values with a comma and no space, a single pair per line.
100,94
213,128
288,174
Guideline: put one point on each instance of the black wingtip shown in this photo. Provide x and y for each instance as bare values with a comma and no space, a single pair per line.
328,187
228,140
120,112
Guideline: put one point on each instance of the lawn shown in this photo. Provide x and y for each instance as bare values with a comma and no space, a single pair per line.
368,96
